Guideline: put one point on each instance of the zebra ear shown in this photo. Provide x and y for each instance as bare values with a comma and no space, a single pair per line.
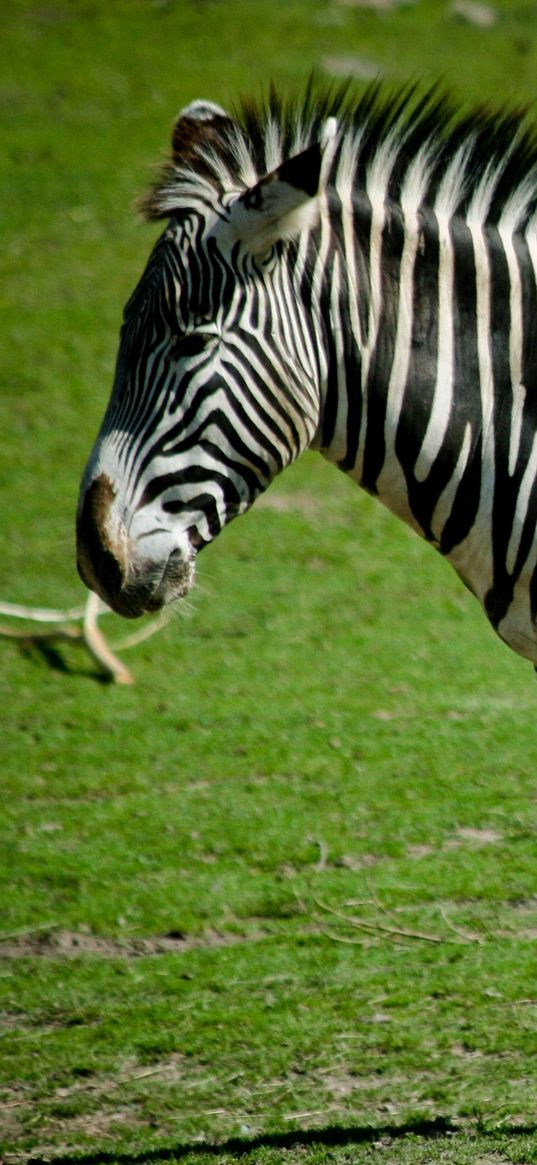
286,201
199,125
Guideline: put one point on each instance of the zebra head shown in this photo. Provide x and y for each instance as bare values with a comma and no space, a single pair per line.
217,383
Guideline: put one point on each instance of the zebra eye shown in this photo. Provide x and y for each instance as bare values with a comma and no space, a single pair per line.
194,344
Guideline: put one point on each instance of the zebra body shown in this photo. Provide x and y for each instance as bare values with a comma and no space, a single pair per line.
359,279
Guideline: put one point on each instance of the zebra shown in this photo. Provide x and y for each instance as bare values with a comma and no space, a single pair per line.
350,273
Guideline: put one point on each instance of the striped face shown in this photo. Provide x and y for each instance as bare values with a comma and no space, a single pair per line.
211,398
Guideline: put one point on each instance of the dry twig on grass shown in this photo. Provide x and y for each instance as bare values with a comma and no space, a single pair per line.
391,930
78,625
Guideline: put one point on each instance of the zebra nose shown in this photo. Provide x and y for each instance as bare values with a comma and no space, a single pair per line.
100,559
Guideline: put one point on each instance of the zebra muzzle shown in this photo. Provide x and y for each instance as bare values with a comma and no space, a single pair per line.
133,576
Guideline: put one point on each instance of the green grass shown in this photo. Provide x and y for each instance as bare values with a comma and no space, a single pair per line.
328,756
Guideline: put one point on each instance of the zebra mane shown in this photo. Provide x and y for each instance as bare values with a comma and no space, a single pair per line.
481,163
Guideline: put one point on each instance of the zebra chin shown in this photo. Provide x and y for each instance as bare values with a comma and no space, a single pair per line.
146,587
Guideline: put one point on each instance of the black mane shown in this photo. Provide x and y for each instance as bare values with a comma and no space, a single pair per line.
498,147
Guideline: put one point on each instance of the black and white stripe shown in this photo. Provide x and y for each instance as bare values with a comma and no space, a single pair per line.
359,276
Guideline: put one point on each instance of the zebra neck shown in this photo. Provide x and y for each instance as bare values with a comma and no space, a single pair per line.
403,411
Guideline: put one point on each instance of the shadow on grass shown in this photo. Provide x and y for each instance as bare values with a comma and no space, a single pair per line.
33,649
333,1136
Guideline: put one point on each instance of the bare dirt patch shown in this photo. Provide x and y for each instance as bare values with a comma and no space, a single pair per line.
54,944
170,1069
19,1101
473,837
9,1123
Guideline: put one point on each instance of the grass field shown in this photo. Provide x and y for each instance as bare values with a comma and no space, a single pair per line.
276,902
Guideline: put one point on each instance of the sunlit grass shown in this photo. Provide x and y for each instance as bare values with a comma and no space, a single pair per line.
325,756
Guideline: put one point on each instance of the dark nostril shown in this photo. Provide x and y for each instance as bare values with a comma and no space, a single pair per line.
97,567
195,538
97,564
